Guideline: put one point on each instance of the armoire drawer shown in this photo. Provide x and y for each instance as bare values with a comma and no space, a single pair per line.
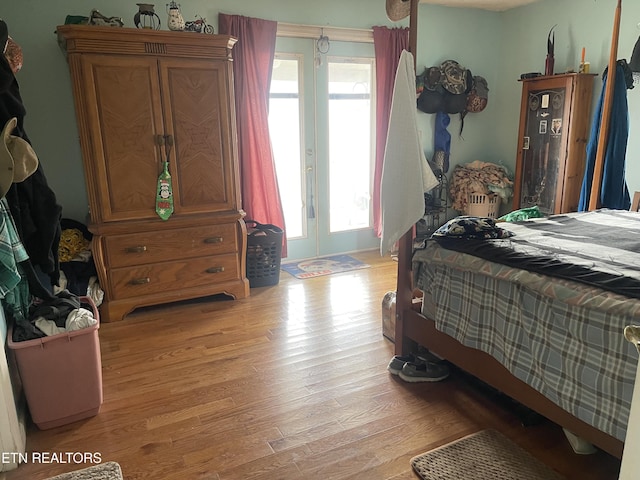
151,247
173,275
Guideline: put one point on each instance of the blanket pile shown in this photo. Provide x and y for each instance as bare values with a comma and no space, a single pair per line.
478,177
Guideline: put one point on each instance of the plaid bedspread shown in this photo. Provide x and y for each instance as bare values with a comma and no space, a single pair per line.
563,338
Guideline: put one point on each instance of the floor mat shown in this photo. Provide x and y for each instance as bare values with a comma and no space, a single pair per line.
480,456
104,471
317,267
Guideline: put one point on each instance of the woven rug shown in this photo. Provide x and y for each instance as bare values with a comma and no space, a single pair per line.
317,267
104,471
485,455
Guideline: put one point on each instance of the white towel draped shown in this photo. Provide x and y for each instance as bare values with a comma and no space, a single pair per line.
406,175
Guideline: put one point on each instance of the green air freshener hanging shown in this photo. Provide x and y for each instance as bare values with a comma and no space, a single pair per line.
164,195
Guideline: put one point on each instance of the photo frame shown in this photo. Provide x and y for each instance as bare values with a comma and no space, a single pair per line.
543,127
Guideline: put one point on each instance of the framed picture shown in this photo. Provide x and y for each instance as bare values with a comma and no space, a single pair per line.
545,101
525,143
543,127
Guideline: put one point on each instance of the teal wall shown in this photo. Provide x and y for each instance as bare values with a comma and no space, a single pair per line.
498,46
471,37
581,23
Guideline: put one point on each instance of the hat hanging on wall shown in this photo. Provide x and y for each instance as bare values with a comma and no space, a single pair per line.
445,88
18,160
432,78
478,96
454,77
398,9
431,101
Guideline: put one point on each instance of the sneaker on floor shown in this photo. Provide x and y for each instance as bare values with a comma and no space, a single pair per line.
424,372
398,361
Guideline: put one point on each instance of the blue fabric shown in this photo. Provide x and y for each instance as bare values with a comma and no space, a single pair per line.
442,139
614,192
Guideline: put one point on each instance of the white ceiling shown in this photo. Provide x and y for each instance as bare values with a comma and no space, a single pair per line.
495,5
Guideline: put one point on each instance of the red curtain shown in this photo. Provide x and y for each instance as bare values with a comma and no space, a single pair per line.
252,66
388,44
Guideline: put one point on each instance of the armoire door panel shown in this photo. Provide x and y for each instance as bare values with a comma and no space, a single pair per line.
193,94
128,123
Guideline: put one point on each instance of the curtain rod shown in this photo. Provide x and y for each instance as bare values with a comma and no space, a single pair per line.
341,34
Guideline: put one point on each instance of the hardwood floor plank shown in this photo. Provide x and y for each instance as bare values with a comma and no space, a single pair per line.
290,383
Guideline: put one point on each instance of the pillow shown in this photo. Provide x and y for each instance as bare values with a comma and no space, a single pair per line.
467,227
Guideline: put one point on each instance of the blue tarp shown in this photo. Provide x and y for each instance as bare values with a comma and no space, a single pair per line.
613,192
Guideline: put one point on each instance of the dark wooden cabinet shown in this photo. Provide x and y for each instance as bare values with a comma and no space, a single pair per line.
555,116
134,91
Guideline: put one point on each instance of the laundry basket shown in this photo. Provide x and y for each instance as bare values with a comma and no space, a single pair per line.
482,205
61,374
264,253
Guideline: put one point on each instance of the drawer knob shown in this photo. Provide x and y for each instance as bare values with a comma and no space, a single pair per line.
138,249
213,240
215,269
140,281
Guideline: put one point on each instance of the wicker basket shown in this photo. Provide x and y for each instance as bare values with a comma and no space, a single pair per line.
482,205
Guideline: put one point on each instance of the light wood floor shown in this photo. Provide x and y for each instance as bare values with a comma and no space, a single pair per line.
290,383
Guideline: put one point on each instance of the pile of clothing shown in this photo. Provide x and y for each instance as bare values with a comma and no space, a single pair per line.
64,312
29,212
78,272
478,178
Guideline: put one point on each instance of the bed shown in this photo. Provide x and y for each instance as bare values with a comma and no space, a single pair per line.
539,315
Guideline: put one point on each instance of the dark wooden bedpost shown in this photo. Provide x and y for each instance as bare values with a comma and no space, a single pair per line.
404,289
605,121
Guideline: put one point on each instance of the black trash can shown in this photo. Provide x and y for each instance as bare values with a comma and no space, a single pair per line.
264,253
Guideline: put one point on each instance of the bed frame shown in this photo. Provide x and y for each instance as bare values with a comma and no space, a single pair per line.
414,328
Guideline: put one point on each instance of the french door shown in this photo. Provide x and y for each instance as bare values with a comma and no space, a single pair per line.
322,124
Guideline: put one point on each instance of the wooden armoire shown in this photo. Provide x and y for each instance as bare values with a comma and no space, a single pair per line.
554,126
143,97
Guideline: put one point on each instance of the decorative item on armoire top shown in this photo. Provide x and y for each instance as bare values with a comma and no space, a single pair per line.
146,17
550,60
175,21
100,20
199,25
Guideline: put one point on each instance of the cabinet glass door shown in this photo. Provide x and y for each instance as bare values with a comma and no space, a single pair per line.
542,149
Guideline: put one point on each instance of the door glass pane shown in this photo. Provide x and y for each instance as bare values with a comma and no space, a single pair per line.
285,130
350,136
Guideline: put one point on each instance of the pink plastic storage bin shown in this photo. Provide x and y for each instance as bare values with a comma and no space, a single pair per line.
61,374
